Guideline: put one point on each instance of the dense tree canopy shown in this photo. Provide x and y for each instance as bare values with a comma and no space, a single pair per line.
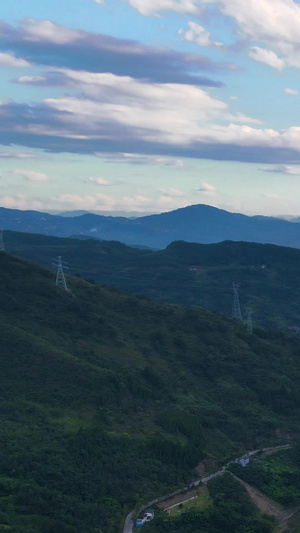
107,400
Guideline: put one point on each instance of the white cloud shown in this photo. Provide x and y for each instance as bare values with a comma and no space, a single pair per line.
248,136
98,181
150,7
291,170
165,202
9,60
273,23
166,112
119,109
207,188
46,31
199,35
21,202
241,119
31,175
258,20
291,92
267,56
30,79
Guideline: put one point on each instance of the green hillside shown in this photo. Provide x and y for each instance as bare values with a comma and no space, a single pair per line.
184,273
108,400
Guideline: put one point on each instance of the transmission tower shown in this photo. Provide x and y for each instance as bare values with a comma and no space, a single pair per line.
236,308
249,321
60,277
2,247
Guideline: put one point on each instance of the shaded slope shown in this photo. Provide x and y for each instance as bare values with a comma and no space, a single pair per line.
106,398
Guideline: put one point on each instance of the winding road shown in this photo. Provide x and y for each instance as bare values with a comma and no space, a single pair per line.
129,523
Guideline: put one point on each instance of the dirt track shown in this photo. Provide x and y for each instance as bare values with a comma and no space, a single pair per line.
268,506
262,502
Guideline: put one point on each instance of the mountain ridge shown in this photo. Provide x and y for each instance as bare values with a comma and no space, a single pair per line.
183,273
197,223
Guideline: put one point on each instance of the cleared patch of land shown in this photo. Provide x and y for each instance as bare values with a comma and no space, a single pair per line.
195,497
267,505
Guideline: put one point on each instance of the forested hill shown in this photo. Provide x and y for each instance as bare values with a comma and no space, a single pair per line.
184,273
108,399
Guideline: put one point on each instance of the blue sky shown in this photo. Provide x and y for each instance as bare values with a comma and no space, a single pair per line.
142,106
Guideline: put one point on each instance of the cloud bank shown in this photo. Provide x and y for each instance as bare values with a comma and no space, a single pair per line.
134,99
48,44
114,114
273,23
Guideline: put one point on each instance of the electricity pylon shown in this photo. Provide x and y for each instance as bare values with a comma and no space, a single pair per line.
60,277
2,247
236,308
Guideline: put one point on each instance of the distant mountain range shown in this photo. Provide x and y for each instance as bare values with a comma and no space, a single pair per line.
196,223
